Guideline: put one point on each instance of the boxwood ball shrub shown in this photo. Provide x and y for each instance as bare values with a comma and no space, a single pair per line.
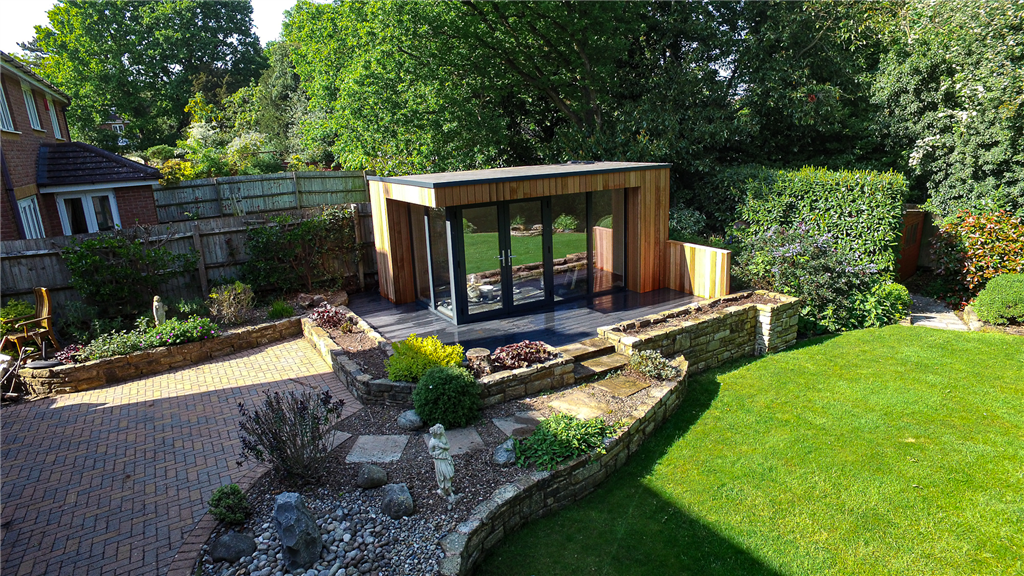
414,356
447,395
229,504
1002,300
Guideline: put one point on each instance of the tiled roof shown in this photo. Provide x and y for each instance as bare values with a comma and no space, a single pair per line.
80,163
14,63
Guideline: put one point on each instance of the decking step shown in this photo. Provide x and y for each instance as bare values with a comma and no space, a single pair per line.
597,367
587,349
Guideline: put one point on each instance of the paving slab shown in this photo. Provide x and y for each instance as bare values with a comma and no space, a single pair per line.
507,425
462,440
621,386
377,448
931,313
580,405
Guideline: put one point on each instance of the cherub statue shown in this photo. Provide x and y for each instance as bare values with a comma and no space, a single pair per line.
159,311
444,466
473,289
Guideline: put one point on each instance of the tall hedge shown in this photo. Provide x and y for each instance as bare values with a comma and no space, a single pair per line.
861,210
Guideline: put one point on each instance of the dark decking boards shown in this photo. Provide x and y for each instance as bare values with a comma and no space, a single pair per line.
567,323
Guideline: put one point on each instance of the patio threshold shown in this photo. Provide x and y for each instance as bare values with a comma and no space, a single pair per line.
567,323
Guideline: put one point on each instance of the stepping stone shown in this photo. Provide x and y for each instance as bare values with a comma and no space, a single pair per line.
580,405
621,386
507,425
337,439
462,440
373,448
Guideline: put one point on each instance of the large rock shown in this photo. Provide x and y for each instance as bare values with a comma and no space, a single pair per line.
410,420
297,530
231,547
338,299
371,476
397,501
505,453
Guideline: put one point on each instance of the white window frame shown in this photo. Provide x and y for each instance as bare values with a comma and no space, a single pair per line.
90,213
54,121
30,105
6,123
119,128
30,219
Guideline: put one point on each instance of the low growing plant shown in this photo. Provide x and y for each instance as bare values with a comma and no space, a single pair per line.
176,331
229,504
1002,300
414,356
447,395
560,437
185,307
521,354
117,343
290,431
651,364
327,317
69,354
14,309
231,303
280,309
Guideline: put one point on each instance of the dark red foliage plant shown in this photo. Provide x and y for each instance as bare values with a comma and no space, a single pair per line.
521,354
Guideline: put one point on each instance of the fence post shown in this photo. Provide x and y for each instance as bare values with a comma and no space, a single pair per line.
220,201
197,241
358,219
295,182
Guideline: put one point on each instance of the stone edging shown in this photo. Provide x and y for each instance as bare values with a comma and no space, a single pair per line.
541,493
96,373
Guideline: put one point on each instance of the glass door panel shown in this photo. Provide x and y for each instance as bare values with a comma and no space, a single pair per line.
526,252
440,275
484,259
75,211
569,245
609,239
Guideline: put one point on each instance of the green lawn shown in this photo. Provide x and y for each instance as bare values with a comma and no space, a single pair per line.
891,451
482,248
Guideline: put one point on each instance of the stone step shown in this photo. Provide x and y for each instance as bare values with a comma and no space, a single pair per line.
597,367
587,349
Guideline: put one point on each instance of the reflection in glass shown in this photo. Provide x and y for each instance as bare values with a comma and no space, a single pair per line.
421,260
439,261
75,211
104,215
527,251
483,258
609,235
569,244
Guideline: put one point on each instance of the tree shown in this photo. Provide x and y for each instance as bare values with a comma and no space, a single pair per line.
145,60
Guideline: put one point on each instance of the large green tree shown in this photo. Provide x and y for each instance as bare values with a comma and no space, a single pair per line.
144,60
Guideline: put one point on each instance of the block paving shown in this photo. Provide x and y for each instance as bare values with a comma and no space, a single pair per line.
116,480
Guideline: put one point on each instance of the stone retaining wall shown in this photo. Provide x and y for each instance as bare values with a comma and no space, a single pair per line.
93,374
513,384
729,332
541,493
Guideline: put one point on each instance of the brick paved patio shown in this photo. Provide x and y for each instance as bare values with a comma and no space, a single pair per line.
112,481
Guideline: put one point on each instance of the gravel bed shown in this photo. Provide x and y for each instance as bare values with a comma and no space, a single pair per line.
703,311
363,350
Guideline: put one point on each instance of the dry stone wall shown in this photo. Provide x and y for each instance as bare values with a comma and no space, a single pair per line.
88,375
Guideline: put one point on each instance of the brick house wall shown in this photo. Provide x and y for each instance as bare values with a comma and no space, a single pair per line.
136,205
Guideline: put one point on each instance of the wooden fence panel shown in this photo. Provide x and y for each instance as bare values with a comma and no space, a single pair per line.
699,270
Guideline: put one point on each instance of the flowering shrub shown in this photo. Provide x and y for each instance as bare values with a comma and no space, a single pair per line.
117,343
521,354
974,248
176,331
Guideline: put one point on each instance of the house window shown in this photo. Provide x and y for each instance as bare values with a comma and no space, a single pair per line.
119,128
53,118
29,208
85,212
5,112
30,104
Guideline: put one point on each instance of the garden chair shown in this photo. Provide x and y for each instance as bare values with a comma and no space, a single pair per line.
35,328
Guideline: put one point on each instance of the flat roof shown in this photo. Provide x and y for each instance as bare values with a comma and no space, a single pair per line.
494,175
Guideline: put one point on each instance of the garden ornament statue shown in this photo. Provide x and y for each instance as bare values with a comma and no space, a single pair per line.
159,311
444,466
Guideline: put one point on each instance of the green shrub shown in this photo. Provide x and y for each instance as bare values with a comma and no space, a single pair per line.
973,248
76,319
171,332
684,222
886,303
605,222
116,343
290,431
229,504
231,303
560,437
14,309
120,272
652,364
719,195
414,356
861,211
185,307
1002,300
468,227
447,395
280,309
176,331
566,222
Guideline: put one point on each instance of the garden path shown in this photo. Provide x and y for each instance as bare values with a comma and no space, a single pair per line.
116,480
931,313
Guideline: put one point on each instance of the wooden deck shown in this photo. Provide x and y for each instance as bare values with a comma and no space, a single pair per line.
567,323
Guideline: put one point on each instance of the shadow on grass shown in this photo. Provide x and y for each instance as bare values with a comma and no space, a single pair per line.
627,528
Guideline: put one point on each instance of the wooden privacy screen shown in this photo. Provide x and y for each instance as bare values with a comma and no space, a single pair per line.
699,270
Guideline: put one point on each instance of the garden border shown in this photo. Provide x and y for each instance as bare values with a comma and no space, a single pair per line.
71,378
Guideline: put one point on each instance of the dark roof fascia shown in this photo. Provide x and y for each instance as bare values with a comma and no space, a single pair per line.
12,61
410,180
146,172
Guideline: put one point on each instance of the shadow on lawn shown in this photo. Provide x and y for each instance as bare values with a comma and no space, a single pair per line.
626,528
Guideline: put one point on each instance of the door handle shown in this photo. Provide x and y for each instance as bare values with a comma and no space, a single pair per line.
502,258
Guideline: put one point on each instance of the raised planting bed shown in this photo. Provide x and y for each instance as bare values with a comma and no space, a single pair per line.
95,373
709,333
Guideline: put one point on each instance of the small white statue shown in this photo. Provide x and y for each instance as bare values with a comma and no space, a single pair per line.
473,289
444,466
159,311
